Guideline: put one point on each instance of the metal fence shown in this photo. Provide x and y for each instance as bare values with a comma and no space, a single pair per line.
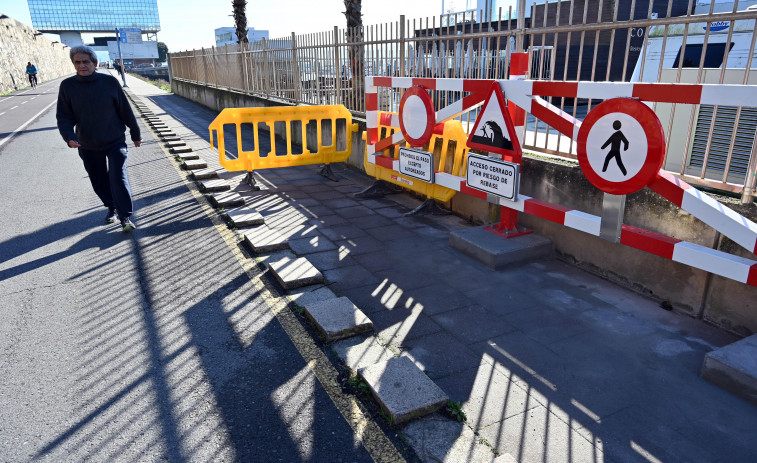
588,40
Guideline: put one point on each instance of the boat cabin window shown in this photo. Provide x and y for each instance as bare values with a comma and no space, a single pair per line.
713,57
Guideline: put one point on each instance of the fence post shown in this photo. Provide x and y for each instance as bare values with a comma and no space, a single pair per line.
337,70
245,72
402,45
520,25
266,79
296,70
749,181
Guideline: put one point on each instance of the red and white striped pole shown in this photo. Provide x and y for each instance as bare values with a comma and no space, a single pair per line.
508,223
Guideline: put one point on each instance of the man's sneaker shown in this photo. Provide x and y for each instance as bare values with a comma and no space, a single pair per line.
127,225
111,217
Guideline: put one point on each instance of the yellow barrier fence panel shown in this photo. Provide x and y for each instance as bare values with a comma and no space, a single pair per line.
285,117
449,148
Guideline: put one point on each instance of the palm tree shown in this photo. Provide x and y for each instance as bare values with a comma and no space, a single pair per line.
356,54
240,19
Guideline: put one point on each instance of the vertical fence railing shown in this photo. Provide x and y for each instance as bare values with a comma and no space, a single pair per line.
587,40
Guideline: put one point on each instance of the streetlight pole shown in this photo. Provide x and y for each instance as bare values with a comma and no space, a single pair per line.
118,40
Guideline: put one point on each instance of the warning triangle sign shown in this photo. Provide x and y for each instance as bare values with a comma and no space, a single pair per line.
494,130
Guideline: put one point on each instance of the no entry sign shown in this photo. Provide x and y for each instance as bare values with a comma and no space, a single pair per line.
417,116
621,146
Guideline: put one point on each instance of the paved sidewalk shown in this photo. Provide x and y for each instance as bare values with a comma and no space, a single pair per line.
551,363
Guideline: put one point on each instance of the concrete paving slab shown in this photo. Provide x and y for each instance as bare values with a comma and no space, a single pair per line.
189,156
497,252
245,217
263,239
734,368
168,133
202,174
226,199
465,322
174,144
362,351
169,138
439,354
338,318
180,150
311,244
402,390
439,439
294,273
214,185
310,294
195,164
328,260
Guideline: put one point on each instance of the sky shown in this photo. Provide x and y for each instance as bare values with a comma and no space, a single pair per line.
189,24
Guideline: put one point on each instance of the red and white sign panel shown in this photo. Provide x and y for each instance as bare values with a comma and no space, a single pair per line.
494,131
621,146
417,116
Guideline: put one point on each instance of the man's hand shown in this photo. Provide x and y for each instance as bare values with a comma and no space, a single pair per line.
138,143
73,144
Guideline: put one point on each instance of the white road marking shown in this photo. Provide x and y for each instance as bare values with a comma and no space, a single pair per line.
24,102
10,135
2,113
15,107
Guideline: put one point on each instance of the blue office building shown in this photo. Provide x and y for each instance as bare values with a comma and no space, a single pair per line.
69,18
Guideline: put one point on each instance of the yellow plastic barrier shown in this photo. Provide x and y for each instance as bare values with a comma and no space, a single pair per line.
272,118
450,150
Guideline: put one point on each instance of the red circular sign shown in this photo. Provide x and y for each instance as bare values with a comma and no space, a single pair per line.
621,146
417,116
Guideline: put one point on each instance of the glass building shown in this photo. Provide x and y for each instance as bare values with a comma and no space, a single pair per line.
58,16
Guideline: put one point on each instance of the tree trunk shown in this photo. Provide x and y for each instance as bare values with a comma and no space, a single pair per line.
240,19
356,53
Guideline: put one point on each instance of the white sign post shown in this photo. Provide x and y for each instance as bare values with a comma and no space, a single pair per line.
500,178
417,164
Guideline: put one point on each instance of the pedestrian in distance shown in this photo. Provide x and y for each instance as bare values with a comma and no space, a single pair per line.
31,72
92,115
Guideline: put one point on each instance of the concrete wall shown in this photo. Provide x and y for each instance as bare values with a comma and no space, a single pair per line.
717,300
19,45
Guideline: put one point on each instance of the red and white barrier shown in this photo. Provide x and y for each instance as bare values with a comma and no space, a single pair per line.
527,94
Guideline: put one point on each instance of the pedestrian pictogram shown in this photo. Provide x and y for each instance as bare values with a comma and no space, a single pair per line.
614,142
494,131
621,146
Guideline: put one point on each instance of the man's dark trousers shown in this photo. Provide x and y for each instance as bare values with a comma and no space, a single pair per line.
107,172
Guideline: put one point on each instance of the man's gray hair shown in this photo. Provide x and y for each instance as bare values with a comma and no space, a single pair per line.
83,49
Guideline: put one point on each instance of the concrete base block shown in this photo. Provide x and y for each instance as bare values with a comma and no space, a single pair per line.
362,351
169,138
245,217
166,133
734,368
227,199
189,156
264,239
338,318
195,164
295,273
175,144
180,150
497,252
157,125
202,174
402,389
310,294
214,184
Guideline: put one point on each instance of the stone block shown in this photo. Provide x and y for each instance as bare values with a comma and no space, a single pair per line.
202,174
402,390
214,185
264,239
195,164
295,273
180,150
226,199
169,138
174,144
244,217
734,368
189,156
497,252
338,318
362,351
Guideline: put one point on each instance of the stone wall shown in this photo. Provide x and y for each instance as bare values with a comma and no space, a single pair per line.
716,300
20,44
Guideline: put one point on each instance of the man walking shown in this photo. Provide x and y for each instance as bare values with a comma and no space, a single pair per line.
96,106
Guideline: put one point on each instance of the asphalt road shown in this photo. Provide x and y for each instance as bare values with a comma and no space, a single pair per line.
146,346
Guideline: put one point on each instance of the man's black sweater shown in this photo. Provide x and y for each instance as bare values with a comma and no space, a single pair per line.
97,106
